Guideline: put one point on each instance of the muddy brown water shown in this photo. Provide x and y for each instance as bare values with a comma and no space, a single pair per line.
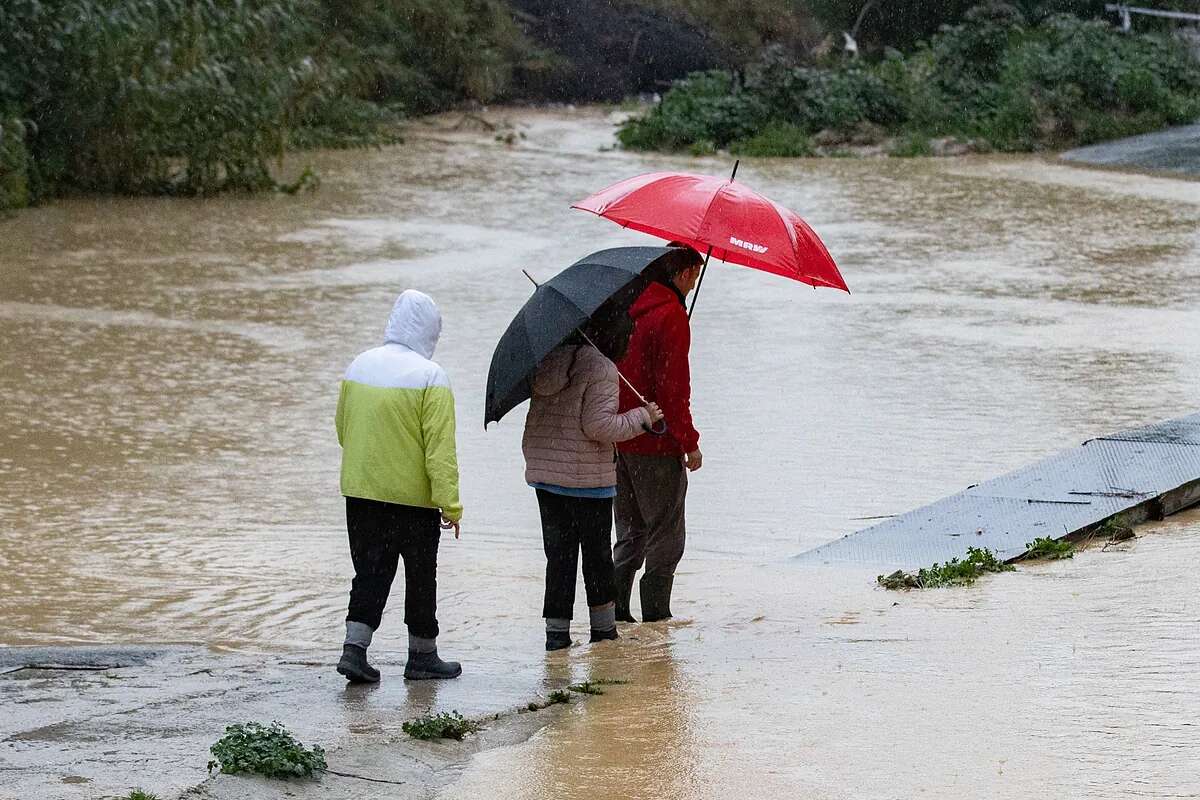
168,466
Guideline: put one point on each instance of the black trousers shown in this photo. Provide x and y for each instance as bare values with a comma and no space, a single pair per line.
571,525
380,535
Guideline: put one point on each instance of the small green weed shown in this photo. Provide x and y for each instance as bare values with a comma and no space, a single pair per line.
1047,548
138,794
440,726
559,696
265,750
587,687
953,573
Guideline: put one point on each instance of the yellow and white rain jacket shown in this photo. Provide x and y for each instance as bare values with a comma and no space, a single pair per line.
395,416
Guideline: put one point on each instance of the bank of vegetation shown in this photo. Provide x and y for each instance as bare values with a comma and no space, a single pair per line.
993,81
199,96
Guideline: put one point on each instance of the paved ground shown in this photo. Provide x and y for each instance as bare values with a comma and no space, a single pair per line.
96,722
1173,150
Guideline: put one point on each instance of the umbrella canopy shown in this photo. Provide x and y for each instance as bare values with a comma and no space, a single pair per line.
557,308
719,216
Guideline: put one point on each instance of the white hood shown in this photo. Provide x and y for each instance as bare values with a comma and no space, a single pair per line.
415,322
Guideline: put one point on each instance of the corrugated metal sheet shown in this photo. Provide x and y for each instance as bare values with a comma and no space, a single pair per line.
1054,497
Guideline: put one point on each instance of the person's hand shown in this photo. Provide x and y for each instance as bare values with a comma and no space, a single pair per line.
448,524
655,412
693,460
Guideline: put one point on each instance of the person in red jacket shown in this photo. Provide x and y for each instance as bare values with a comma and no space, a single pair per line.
652,469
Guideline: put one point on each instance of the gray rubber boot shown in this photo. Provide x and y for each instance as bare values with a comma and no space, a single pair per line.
428,667
354,665
623,588
656,598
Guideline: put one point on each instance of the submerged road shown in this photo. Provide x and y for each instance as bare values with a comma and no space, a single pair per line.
1172,150
1143,473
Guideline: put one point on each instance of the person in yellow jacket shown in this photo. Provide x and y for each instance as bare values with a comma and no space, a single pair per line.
395,423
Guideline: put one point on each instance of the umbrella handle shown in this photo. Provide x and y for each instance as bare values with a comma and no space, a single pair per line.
654,430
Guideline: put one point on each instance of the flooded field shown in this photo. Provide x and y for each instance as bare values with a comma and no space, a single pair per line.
168,464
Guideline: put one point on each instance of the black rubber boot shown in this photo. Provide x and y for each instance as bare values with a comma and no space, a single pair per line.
623,588
557,641
355,667
656,598
428,667
604,636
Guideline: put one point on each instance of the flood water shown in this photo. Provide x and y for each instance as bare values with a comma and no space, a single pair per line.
169,468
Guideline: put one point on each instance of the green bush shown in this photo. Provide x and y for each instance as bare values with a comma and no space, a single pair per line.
185,97
163,96
994,77
777,139
911,145
265,750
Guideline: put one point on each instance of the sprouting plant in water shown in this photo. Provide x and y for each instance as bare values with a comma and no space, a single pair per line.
265,750
139,794
953,573
1048,548
586,687
452,725
559,696
610,682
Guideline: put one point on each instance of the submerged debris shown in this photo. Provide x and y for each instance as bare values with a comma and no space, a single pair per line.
952,573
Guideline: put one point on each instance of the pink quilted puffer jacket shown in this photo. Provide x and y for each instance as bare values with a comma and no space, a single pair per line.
573,422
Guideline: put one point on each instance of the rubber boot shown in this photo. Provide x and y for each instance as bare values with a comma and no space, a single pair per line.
428,667
623,588
656,598
355,667
556,640
604,636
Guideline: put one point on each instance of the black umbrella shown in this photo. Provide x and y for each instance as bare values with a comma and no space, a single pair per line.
556,310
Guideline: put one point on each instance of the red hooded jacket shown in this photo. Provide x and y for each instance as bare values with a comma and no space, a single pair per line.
657,364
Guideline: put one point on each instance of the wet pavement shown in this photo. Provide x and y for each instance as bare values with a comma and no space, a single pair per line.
1172,150
168,473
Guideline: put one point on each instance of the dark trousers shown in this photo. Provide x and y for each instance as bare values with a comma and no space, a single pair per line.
380,535
569,525
651,491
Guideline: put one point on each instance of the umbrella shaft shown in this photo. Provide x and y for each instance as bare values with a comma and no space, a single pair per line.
588,339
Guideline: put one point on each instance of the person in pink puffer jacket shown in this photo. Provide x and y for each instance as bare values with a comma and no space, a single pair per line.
570,460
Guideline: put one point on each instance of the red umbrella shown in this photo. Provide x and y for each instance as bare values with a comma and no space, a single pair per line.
720,218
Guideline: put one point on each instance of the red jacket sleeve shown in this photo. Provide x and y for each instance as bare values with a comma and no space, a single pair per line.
673,379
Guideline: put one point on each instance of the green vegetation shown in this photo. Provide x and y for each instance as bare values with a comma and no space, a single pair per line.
179,97
586,687
995,78
450,725
1052,549
138,794
265,750
979,561
776,140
